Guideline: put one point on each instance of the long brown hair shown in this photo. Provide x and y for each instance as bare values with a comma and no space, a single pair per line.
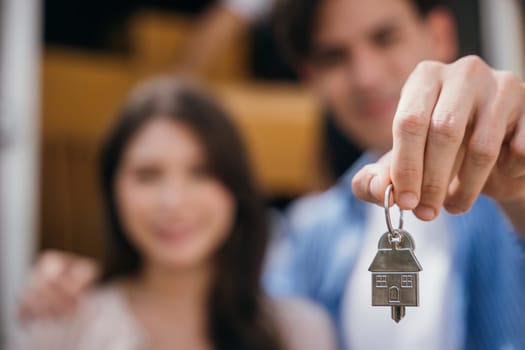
236,311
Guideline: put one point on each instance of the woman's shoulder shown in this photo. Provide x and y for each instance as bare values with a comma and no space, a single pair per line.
302,324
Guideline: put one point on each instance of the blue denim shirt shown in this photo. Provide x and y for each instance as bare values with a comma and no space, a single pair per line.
318,249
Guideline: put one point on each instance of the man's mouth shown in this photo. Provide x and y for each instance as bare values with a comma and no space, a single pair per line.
379,108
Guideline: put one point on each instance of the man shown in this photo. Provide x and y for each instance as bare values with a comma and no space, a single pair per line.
458,130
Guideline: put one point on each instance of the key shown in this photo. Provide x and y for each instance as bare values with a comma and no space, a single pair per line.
395,269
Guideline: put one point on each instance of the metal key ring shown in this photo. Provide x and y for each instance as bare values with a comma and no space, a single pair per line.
394,235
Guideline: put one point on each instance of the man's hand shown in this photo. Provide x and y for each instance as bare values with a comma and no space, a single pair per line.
459,130
57,282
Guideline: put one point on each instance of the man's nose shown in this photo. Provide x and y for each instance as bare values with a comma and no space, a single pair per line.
367,70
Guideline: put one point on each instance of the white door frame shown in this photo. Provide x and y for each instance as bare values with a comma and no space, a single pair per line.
19,125
503,34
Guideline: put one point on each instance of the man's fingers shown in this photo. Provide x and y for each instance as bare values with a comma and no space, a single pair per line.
51,265
370,183
484,146
54,301
513,164
45,301
81,275
28,309
410,129
65,272
446,131
479,160
56,285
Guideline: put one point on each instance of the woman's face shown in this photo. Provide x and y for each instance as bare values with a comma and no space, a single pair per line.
174,211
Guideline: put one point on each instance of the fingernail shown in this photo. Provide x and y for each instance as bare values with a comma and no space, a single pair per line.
425,213
407,200
374,187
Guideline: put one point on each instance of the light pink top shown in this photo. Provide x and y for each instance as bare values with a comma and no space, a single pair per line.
104,321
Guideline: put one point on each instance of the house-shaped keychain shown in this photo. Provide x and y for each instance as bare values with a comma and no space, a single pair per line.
395,271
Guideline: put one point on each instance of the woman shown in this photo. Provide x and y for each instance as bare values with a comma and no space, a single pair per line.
187,240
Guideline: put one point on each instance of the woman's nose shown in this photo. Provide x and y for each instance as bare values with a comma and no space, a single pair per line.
173,194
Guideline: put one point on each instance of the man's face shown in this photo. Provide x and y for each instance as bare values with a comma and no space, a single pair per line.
363,51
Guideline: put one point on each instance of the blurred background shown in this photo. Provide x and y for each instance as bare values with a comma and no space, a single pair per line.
65,67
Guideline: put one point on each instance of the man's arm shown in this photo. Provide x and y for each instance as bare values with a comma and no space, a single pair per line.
57,281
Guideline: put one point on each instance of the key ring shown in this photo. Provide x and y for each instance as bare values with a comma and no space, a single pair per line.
394,235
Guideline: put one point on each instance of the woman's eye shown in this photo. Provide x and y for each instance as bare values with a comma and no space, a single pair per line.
200,172
147,175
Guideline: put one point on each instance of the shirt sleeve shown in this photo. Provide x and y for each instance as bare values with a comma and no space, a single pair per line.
302,247
495,281
279,276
